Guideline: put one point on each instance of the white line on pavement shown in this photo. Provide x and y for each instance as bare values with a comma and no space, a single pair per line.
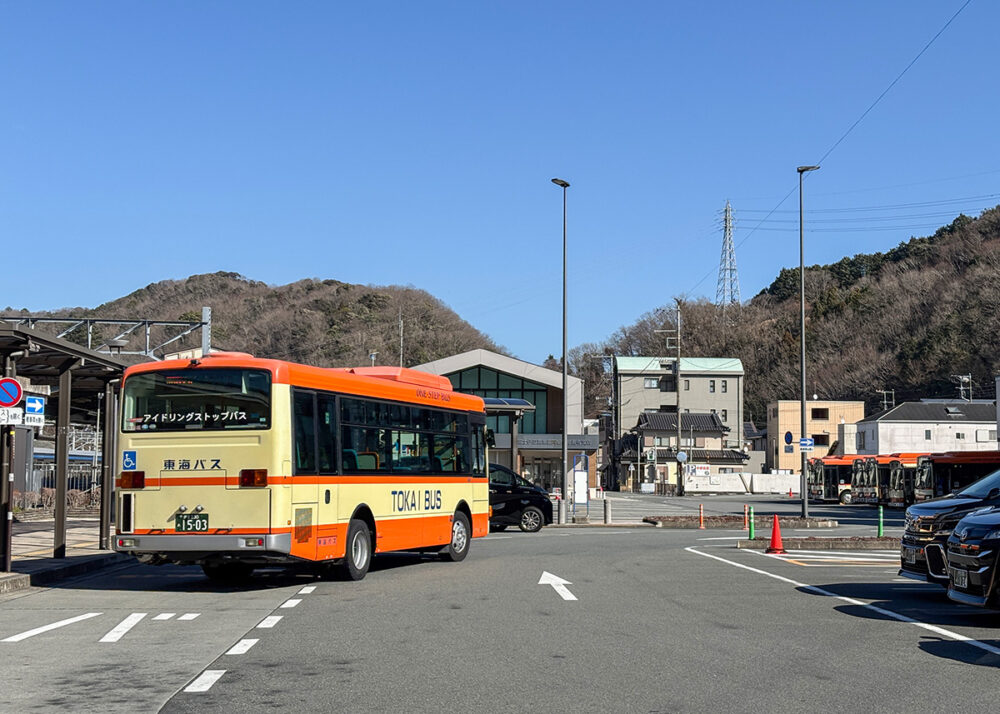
205,680
241,647
269,621
290,603
189,616
307,589
724,538
882,611
53,626
120,630
164,615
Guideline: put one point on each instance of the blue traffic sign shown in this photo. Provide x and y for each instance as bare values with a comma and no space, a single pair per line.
34,405
10,392
788,437
805,443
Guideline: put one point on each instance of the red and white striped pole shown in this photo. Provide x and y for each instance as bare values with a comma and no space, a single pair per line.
701,516
746,516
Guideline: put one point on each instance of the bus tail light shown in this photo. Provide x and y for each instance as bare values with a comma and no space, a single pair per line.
253,478
132,479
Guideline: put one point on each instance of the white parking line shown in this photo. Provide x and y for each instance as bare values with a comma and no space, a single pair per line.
290,603
122,628
164,615
882,611
307,589
53,626
242,647
189,616
269,621
205,680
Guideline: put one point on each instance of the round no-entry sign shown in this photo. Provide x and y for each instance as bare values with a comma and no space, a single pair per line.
10,392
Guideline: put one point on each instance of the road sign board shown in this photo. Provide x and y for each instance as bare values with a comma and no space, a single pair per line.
805,442
10,415
34,405
10,392
788,437
34,419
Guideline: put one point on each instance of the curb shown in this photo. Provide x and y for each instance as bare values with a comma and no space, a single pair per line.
600,524
736,522
833,543
21,581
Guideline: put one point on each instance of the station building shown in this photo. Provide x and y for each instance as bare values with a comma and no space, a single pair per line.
527,440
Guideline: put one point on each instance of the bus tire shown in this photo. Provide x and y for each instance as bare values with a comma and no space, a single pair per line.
227,573
358,555
845,498
461,537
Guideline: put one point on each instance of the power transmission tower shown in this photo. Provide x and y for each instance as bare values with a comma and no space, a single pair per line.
727,292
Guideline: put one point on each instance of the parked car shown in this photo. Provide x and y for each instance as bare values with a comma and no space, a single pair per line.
929,524
517,502
972,559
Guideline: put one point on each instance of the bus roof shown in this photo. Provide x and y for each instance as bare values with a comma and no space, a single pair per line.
394,383
966,457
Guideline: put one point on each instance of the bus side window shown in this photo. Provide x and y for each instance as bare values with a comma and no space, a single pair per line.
326,433
305,432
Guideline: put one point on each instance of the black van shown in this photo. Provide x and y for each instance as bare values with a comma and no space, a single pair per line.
922,552
972,559
516,502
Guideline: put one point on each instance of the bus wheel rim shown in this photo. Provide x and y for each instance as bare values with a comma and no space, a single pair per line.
459,537
359,551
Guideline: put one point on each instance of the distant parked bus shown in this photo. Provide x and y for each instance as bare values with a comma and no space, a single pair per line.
233,462
831,478
902,477
942,473
872,480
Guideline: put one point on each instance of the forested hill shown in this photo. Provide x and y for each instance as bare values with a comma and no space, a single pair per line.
323,322
904,320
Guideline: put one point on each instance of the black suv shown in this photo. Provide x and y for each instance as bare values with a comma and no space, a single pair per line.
516,502
972,559
922,552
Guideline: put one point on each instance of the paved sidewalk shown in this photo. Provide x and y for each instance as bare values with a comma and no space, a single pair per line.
33,563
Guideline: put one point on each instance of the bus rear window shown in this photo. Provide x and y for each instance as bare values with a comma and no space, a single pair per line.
205,399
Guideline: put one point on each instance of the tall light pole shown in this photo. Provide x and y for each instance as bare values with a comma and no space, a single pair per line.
802,342
565,420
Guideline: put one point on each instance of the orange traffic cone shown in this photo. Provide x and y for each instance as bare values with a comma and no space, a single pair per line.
789,492
776,546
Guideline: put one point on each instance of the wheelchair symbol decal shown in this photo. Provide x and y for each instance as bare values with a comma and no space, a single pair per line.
128,460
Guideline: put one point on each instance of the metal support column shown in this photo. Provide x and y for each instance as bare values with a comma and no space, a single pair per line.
62,460
6,484
108,463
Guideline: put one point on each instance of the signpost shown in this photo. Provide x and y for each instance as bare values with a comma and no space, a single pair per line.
806,444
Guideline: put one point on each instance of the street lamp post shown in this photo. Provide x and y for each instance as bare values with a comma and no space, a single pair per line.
802,342
565,420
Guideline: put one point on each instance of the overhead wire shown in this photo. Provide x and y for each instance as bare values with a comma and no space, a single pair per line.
852,127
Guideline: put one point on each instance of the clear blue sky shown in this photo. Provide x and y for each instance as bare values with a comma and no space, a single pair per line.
413,143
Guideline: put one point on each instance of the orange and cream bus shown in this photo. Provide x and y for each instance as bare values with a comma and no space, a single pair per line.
233,462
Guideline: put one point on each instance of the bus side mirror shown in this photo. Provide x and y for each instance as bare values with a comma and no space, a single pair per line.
491,440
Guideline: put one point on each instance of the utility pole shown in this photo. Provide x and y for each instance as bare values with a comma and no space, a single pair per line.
885,398
963,380
676,332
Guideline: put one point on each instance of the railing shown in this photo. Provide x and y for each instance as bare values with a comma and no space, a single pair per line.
83,488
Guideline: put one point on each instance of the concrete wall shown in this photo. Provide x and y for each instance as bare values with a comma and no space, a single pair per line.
742,483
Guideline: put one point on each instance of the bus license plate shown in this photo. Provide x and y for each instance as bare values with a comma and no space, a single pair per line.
191,522
910,555
960,578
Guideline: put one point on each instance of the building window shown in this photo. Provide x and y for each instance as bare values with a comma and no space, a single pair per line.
960,436
687,385
725,415
725,386
861,440
651,383
774,413
711,386
821,414
927,434
821,439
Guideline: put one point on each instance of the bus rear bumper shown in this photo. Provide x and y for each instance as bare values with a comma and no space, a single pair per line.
235,545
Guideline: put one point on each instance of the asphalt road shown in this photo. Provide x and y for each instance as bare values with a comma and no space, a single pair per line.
656,620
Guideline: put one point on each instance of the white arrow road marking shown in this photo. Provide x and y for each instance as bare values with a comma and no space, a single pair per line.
53,626
558,584
241,647
205,680
120,630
